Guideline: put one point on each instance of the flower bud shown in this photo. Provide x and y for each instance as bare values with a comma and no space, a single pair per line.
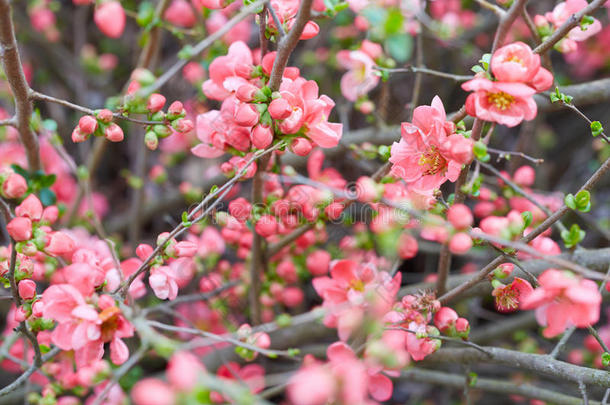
240,208
460,243
407,246
459,216
31,207
279,109
445,318
27,289
183,125
246,115
175,110
318,262
20,229
60,244
262,136
143,251
104,116
266,226
155,103
87,124
114,133
151,141
14,186
301,147
525,176
246,92
78,136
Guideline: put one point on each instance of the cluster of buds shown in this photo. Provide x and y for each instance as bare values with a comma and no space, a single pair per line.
257,339
173,120
99,124
450,324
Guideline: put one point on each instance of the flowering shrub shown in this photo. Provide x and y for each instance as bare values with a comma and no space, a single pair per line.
227,201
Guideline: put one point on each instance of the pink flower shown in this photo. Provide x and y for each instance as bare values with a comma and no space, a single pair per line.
460,243
360,78
420,158
163,282
563,300
515,63
407,246
266,226
110,18
502,102
563,11
346,293
20,229
508,297
229,72
525,176
460,216
183,370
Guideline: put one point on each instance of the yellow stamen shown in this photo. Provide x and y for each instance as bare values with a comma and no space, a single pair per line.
501,100
433,160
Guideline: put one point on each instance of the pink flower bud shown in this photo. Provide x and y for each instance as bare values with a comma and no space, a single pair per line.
287,271
87,124
31,207
105,116
367,189
318,262
185,249
540,21
280,109
525,176
60,244
78,136
366,107
27,289
292,296
333,210
183,370
462,326
246,115
14,186
240,208
460,243
151,140
143,251
445,318
50,214
301,147
183,125
110,18
114,133
246,92
20,314
262,136
459,216
155,103
407,246
152,391
20,229
266,226
38,308
176,109
193,72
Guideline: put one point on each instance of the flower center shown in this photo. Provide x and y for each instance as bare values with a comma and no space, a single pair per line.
501,100
433,161
357,285
516,59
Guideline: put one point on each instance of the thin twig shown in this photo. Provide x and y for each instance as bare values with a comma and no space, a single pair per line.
423,70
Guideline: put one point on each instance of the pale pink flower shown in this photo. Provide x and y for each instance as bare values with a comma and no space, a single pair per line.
563,300
163,281
360,78
564,11
229,72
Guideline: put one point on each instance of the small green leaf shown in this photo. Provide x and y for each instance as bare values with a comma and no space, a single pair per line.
47,197
569,201
606,359
527,218
472,379
586,21
596,128
400,46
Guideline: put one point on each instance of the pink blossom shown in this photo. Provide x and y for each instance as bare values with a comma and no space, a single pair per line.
460,243
59,244
419,158
163,282
31,208
318,262
229,72
151,391
183,370
407,246
360,78
27,289
508,297
460,216
180,14
564,11
502,102
563,300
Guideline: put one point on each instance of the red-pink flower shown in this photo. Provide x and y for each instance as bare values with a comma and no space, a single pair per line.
564,11
508,297
503,102
424,156
563,300
229,72
110,18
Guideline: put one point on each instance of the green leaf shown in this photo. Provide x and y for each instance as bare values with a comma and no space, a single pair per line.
394,22
596,128
586,21
47,197
569,201
477,69
472,379
583,201
606,359
400,46
527,218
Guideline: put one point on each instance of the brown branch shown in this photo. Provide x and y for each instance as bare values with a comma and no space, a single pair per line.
487,384
506,22
288,43
537,363
13,69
